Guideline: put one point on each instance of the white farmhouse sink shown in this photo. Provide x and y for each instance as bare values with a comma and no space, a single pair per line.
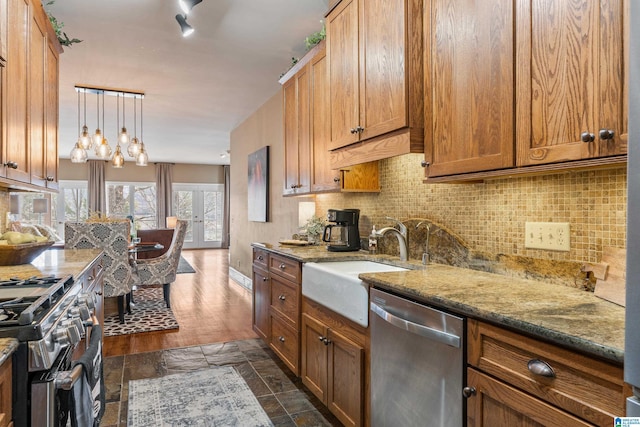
336,286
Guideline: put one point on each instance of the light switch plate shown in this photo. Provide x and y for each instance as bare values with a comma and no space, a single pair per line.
553,236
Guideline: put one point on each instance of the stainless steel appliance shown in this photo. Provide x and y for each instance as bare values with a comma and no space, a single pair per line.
344,235
632,334
49,316
417,364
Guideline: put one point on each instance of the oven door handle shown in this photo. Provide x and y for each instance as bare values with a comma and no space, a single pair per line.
415,328
65,380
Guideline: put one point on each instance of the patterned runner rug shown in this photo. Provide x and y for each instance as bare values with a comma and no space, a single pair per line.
148,313
216,396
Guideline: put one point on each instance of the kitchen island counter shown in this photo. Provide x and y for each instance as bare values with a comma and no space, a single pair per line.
566,316
54,262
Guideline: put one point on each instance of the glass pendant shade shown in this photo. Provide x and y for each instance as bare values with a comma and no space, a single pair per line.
78,154
185,28
104,149
142,159
97,139
118,159
134,147
123,137
85,138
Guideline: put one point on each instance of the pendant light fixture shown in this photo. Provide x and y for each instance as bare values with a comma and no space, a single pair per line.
134,145
98,141
142,159
78,153
187,5
85,138
97,136
117,161
103,150
123,137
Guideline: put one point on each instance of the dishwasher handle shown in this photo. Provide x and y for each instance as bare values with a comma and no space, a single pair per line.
409,326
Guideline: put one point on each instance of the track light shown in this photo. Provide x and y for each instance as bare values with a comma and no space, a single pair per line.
187,5
186,29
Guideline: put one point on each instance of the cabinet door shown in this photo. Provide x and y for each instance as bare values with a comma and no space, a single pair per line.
313,367
6,389
261,302
496,404
297,144
345,389
469,96
342,51
37,81
3,30
51,118
570,80
383,74
16,147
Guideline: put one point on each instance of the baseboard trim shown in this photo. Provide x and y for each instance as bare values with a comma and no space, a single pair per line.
240,279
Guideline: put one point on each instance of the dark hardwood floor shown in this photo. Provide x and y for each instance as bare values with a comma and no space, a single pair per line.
208,306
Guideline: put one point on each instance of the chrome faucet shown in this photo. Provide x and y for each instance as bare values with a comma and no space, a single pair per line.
425,254
401,235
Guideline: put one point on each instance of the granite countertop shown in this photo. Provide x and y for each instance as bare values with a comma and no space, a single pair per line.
562,315
7,347
56,262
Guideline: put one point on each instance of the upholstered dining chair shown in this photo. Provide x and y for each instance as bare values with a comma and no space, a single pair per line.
113,239
162,270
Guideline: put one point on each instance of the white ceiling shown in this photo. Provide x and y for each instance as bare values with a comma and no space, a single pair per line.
197,89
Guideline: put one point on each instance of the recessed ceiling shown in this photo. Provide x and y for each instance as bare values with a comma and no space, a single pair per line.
197,89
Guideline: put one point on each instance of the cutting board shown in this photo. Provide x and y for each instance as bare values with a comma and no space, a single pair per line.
610,284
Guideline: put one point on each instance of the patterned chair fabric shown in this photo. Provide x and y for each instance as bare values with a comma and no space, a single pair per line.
162,270
113,239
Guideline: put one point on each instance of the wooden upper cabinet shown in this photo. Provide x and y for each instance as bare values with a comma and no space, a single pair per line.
358,178
374,48
51,117
3,30
570,80
36,99
469,96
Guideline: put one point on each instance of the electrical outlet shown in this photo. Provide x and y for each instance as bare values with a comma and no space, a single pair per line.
552,236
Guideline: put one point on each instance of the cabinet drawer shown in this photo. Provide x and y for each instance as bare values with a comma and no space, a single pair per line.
285,299
588,388
285,342
285,267
261,258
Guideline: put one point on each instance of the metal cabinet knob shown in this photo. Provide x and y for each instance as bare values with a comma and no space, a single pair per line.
326,341
467,392
336,179
264,279
540,367
359,129
282,266
50,178
606,134
12,165
260,258
587,137
282,298
281,338
353,131
424,163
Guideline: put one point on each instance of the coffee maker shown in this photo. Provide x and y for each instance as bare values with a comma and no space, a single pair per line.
346,236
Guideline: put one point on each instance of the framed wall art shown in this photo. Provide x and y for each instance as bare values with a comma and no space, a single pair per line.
258,185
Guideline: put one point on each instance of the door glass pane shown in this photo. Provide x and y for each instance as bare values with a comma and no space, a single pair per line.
145,207
183,209
76,204
118,200
213,216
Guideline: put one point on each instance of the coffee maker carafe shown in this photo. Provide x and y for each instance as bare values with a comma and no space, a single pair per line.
343,236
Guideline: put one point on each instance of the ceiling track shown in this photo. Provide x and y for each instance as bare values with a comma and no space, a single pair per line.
127,93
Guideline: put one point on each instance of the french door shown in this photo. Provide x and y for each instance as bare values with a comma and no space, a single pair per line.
202,206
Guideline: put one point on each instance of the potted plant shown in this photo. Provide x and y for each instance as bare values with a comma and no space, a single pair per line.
314,229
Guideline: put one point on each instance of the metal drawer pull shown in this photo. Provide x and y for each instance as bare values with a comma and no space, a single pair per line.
282,298
282,266
540,367
260,258
281,338
264,279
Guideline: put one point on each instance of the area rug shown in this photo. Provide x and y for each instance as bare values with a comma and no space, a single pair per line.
216,396
148,313
184,267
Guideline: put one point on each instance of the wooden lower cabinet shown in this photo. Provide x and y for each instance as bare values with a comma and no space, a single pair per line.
261,291
332,365
6,388
522,381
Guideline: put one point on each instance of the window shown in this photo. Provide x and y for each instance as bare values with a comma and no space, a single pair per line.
71,204
137,200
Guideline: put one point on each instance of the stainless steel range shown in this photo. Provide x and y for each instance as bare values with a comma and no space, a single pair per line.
49,316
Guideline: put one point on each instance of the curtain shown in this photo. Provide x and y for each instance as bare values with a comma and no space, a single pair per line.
164,193
225,217
97,189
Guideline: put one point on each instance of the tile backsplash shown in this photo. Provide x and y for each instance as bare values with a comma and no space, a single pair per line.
490,217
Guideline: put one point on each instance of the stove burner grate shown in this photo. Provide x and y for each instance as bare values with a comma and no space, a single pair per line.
31,281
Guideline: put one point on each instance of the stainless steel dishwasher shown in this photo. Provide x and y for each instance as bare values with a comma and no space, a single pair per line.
417,364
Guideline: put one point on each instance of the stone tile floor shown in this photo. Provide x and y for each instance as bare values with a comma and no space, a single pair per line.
285,400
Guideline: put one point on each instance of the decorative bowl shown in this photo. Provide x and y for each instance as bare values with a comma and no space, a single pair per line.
23,253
